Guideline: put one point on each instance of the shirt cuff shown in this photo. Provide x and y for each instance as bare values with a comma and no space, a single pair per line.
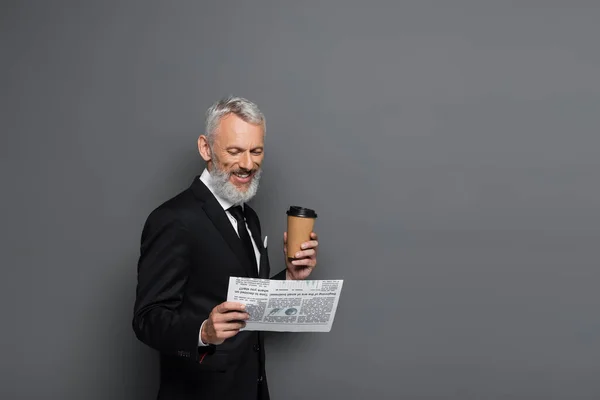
200,342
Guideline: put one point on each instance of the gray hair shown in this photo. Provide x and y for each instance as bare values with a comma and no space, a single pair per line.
245,109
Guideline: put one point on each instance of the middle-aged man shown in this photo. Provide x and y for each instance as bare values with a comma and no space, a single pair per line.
190,246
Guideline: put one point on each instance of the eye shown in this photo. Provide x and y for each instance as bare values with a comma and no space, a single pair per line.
233,152
257,152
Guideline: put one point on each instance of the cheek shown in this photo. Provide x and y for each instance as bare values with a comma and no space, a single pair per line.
226,162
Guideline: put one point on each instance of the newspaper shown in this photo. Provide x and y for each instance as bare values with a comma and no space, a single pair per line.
287,306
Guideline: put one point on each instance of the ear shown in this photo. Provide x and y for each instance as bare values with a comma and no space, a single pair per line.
204,148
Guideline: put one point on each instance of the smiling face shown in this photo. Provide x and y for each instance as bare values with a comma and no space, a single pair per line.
234,158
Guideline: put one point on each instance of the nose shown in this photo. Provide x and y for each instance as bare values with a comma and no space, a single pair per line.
246,161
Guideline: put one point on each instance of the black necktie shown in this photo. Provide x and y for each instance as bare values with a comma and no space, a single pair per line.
238,214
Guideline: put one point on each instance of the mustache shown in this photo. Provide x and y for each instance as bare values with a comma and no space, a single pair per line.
244,171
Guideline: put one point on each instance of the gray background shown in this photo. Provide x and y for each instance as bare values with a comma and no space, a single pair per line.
451,150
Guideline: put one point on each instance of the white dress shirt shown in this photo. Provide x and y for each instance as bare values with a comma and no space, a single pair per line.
205,178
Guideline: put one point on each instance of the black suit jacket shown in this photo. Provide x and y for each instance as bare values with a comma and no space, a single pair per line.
189,249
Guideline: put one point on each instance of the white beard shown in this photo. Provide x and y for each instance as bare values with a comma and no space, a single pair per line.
224,188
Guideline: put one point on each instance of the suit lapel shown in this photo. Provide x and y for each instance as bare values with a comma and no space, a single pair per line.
219,218
254,225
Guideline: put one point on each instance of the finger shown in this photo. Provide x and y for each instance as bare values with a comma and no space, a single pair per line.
305,253
231,316
230,306
284,237
304,262
309,245
314,236
230,326
228,334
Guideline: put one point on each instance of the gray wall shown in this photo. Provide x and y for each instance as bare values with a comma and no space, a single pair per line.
451,150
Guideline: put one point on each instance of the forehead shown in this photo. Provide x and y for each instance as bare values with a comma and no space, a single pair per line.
234,131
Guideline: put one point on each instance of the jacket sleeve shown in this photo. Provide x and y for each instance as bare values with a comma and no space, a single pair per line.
162,274
280,276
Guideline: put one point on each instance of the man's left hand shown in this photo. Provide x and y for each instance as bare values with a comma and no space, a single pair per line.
304,260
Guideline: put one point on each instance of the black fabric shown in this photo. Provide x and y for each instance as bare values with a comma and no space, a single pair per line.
238,214
189,250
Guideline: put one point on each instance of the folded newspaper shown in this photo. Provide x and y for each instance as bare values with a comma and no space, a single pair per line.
287,306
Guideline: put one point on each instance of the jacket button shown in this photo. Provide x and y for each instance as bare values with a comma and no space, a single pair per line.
256,347
260,379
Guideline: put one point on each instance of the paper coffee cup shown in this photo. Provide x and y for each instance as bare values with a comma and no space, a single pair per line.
300,223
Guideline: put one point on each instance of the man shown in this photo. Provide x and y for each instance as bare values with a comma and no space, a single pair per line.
190,246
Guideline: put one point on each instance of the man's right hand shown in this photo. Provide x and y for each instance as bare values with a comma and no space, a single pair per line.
224,322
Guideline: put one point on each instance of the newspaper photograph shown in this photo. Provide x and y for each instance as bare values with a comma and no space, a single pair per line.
287,306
